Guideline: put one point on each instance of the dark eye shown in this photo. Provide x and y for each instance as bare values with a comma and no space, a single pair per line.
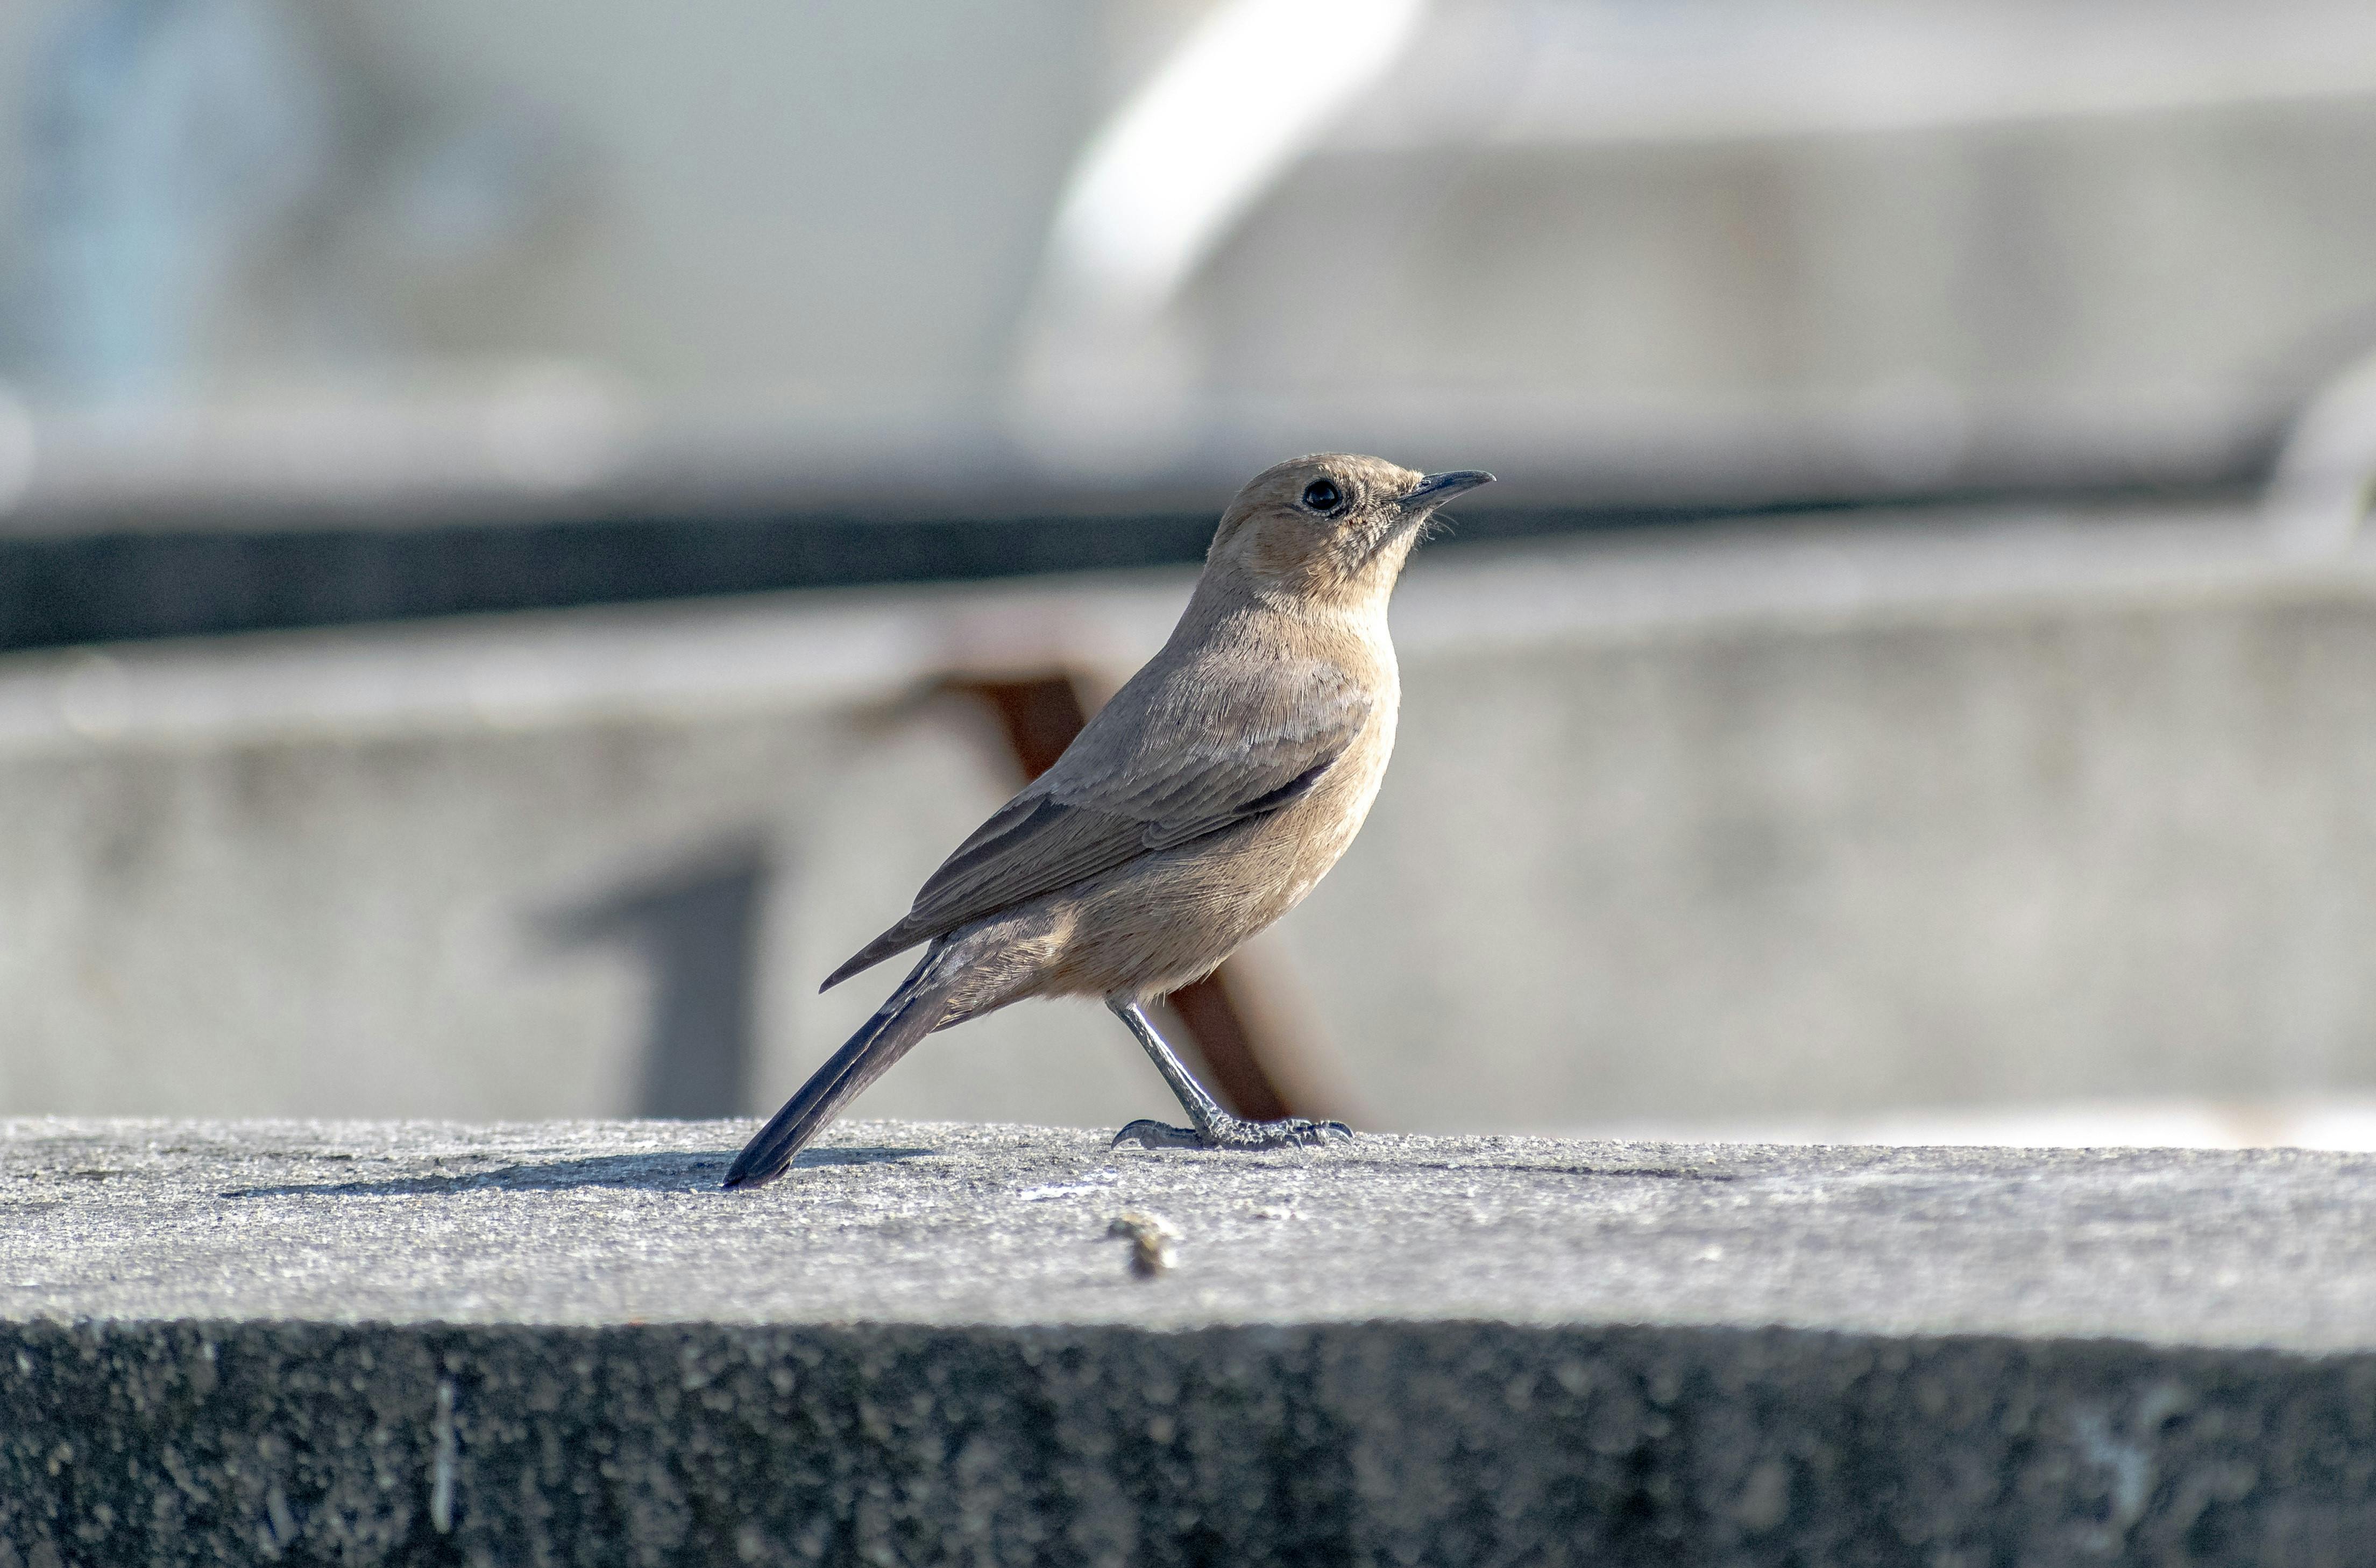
1323,497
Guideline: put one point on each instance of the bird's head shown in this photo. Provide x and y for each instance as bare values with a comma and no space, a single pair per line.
1331,527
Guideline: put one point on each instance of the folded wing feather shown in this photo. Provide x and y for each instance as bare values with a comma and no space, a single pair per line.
1163,765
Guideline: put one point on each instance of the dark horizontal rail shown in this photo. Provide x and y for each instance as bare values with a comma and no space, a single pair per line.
128,584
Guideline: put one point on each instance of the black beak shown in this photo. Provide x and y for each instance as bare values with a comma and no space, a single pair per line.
1436,489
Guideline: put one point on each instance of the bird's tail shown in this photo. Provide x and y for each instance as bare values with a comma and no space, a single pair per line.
913,1011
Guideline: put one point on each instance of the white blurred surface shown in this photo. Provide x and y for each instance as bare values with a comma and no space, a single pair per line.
1718,250
2343,1123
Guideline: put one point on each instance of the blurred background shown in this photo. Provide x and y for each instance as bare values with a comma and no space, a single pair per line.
527,531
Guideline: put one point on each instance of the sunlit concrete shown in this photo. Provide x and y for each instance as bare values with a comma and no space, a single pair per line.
385,1343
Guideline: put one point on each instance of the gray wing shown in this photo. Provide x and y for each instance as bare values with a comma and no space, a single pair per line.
1162,765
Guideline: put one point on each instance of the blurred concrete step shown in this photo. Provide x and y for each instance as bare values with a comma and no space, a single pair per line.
1762,828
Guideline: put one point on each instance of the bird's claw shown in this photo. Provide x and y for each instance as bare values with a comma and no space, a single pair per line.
1155,1135
1234,1133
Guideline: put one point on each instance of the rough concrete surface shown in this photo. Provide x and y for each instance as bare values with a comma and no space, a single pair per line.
558,1343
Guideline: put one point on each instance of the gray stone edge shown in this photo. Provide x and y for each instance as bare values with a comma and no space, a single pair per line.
369,1444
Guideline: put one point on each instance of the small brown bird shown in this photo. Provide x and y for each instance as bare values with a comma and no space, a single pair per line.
1199,805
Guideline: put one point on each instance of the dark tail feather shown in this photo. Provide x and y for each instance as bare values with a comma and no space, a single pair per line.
873,953
907,1017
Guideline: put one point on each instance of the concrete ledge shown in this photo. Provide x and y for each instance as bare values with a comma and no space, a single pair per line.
556,1343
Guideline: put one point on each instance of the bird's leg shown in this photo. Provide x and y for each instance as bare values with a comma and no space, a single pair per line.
1215,1128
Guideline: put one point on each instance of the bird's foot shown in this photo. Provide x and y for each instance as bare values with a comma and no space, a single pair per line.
1234,1133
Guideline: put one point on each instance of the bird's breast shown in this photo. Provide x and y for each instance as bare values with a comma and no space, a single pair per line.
1333,813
